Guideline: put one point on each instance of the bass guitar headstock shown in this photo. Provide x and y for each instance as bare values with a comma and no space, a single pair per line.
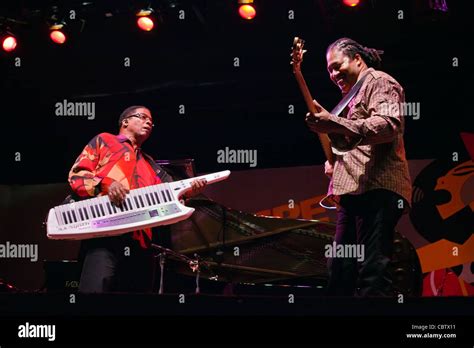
297,54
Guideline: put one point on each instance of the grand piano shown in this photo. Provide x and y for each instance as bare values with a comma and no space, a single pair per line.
236,247
219,246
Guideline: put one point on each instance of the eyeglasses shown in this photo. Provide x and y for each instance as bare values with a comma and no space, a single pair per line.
143,117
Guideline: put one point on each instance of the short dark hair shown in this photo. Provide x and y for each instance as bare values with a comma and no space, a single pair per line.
128,111
349,47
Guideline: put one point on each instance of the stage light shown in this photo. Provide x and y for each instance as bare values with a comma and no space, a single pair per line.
351,3
247,10
57,34
9,43
57,25
145,21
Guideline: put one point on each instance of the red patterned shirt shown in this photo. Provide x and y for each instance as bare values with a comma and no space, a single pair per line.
108,158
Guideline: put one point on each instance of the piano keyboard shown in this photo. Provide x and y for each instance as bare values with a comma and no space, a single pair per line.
145,207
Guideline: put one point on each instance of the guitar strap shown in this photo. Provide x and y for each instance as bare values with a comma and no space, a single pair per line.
331,201
342,105
349,96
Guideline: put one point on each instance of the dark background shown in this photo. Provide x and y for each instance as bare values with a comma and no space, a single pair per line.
190,62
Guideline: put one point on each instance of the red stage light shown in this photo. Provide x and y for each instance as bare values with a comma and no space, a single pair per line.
247,12
9,43
351,3
145,23
58,37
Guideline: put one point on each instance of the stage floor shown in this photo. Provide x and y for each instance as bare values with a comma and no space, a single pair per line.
73,304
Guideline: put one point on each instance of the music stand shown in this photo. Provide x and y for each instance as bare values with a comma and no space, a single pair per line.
182,168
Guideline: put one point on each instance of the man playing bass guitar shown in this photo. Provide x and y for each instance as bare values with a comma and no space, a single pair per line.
369,175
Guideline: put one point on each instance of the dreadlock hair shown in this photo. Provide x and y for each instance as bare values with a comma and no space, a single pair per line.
349,47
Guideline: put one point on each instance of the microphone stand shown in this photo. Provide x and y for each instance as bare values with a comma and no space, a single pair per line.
194,264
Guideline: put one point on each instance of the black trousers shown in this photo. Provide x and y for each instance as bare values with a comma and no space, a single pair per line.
115,264
367,220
